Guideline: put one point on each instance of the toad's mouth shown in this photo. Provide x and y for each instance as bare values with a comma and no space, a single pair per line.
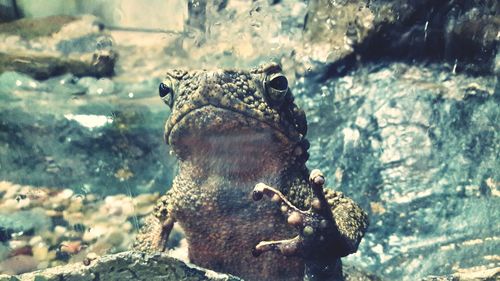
230,140
212,120
211,116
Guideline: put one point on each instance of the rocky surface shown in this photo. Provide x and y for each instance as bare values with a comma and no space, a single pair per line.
351,33
472,274
124,266
417,147
8,11
52,46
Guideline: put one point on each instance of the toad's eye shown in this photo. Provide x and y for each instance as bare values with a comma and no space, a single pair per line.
276,86
166,94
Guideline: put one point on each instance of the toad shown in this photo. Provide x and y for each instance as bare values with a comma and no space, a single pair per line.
240,138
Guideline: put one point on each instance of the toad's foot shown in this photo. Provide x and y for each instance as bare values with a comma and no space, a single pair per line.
318,241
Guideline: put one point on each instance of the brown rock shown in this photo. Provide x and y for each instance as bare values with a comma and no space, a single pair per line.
18,264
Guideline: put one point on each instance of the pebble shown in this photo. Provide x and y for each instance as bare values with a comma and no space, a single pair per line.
11,191
24,250
9,205
75,206
119,205
71,247
95,232
115,238
63,196
73,217
107,225
42,265
60,230
16,244
143,204
40,252
35,240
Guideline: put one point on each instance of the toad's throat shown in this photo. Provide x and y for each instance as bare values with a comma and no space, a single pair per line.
230,144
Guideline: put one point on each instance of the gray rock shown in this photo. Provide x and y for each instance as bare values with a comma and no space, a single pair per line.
46,47
23,223
133,266
8,10
473,274
351,273
418,148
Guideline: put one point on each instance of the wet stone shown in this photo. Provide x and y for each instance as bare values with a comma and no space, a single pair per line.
18,264
51,46
22,222
84,141
415,140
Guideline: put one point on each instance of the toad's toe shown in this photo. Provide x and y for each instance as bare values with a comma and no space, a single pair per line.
316,226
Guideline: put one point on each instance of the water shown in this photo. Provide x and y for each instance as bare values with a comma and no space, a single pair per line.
402,104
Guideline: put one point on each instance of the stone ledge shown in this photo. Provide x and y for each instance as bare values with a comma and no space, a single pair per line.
124,266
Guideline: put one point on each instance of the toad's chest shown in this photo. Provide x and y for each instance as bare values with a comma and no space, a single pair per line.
222,224
228,214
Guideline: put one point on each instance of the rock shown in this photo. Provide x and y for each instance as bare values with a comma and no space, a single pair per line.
333,28
46,47
197,12
40,252
24,222
8,10
86,142
125,266
352,273
17,265
417,147
349,33
471,274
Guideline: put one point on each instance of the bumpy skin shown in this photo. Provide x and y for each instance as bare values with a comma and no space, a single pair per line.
230,131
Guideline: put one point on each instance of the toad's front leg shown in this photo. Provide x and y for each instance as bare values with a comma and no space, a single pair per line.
332,228
153,236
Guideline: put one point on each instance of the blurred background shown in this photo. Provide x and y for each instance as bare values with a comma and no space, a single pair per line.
402,100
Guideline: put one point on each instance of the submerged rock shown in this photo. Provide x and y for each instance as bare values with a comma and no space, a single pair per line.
418,148
51,46
86,134
472,274
17,265
8,10
22,222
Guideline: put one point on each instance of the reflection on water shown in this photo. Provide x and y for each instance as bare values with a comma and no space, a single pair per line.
401,100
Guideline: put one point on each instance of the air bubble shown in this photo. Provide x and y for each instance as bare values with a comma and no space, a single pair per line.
104,43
